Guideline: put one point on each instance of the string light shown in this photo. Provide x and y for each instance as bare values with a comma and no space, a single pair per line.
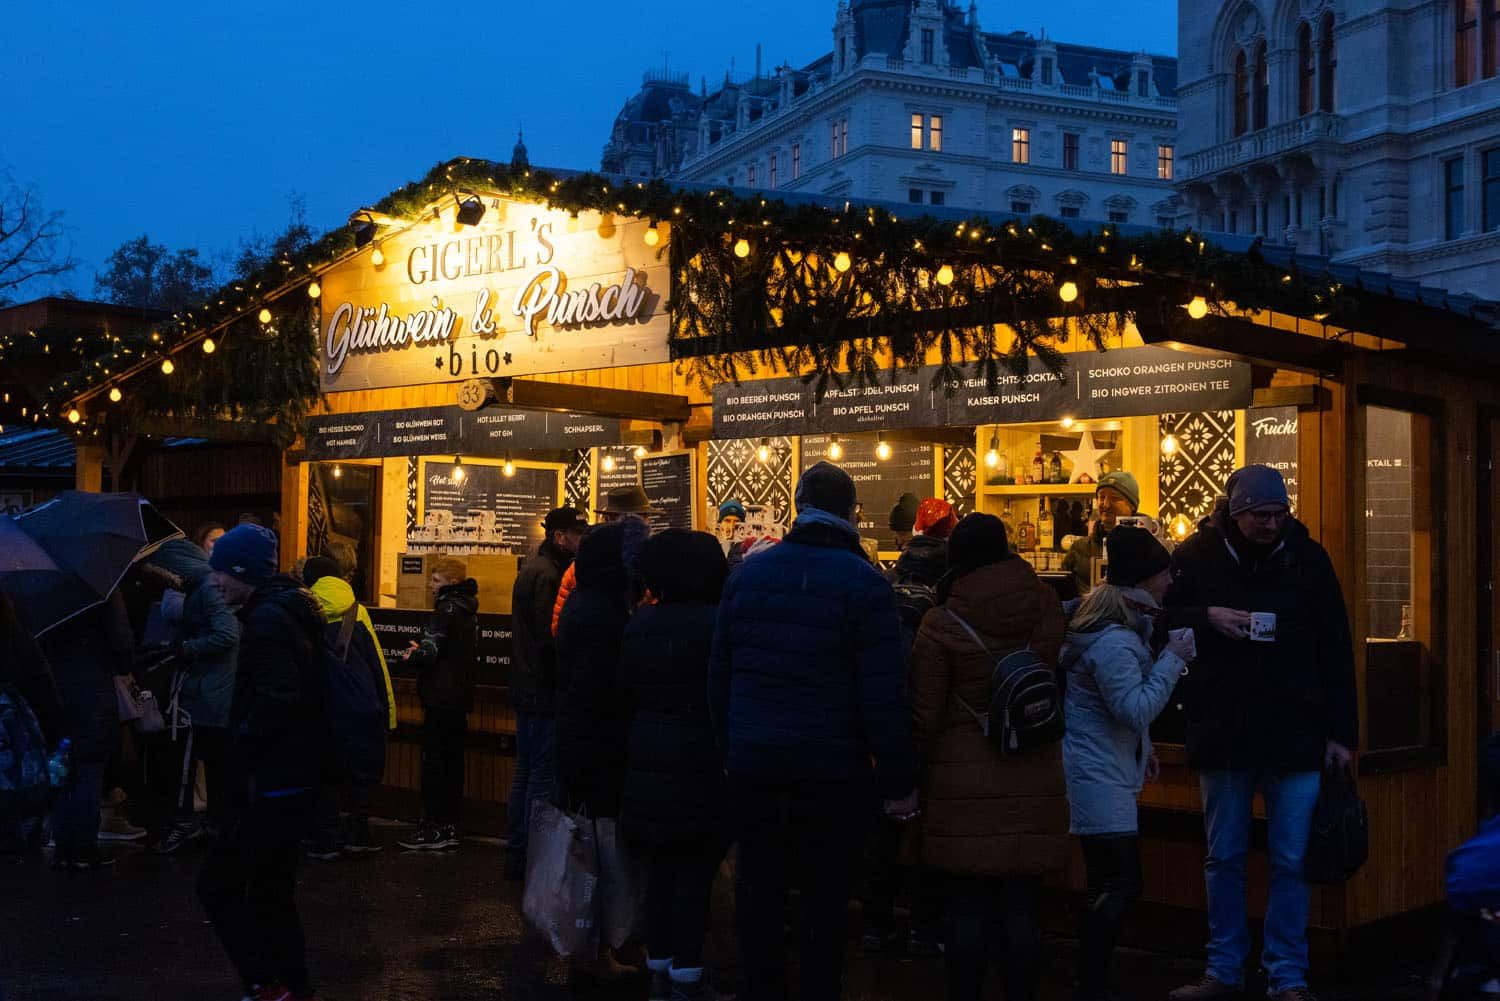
1068,291
167,368
74,416
841,262
115,396
1198,308
265,316
209,347
314,290
652,237
377,257
742,248
945,275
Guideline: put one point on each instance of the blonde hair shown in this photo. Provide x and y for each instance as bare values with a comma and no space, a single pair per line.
1105,606
453,569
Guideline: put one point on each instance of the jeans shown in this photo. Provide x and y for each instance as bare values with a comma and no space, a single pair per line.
75,815
976,905
1113,863
535,773
679,890
888,877
443,765
248,888
1290,798
805,832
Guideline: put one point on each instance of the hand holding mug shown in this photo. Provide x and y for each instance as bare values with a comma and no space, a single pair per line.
1230,622
1182,643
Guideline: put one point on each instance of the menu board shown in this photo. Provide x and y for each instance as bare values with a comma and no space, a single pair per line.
668,481
1271,440
520,501
879,484
397,628
618,471
493,432
1128,382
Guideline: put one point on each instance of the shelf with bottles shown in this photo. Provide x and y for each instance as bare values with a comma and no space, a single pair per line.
1043,459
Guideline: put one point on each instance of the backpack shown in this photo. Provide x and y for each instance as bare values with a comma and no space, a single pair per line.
1024,698
914,600
1339,841
24,786
356,709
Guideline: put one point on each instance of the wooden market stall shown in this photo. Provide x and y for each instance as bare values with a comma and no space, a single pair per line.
492,343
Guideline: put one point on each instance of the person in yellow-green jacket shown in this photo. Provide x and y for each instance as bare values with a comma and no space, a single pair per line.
352,636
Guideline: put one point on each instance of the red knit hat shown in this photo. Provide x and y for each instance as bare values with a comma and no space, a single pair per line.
935,518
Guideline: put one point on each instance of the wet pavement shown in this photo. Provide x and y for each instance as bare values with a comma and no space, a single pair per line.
411,927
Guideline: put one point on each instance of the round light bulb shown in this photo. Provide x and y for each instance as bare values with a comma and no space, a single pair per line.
945,275
265,316
1068,292
74,416
509,469
883,451
652,237
314,290
835,451
377,257
338,472
742,248
1068,422
841,262
763,453
1169,445
209,347
115,396
608,464
167,368
1198,308
992,458
1180,526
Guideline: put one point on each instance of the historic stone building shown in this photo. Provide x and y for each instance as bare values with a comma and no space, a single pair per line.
917,103
1366,130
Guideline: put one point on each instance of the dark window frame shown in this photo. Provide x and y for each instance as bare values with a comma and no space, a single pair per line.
1453,198
1307,69
1070,144
1327,64
1489,189
1241,93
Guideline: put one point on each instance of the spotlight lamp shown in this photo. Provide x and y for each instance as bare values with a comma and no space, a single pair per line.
470,210
364,231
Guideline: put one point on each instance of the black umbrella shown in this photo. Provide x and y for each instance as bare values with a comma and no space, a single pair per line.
90,541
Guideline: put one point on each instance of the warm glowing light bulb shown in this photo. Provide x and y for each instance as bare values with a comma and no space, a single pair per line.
1180,526
1068,422
992,458
640,452
314,290
1169,445
209,347
764,452
883,450
167,368
841,262
265,316
835,450
338,472
509,469
74,416
1068,292
945,275
742,248
1198,308
377,257
458,471
652,237
115,396
608,464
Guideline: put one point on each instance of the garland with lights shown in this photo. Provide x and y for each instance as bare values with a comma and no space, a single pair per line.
756,283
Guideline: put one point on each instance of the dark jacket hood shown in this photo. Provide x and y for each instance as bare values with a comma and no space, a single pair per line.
464,594
924,561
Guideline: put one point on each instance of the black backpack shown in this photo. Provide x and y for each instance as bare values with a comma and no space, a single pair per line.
357,712
1339,842
1024,698
914,600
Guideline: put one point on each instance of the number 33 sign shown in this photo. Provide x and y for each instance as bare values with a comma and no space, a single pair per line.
473,394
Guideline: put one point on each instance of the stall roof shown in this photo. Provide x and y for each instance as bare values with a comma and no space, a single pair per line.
50,450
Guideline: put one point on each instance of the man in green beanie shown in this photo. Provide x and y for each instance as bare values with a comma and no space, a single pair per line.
1118,496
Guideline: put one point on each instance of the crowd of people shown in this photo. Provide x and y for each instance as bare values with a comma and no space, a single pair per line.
785,703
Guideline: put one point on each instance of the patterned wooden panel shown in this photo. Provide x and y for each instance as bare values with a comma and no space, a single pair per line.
735,472
412,483
1195,473
578,481
960,476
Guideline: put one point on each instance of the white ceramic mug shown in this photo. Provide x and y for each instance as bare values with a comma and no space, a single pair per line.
1263,627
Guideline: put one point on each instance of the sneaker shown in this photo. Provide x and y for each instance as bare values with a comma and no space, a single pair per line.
324,852
447,837
661,986
1294,994
177,839
91,863
117,827
267,994
1205,988
431,839
359,840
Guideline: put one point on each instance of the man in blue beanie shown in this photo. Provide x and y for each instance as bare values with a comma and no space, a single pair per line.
278,732
1271,703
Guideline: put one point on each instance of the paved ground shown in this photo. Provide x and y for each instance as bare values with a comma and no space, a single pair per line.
403,927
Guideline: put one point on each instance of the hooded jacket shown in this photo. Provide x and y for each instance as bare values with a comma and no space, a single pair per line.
533,676
1115,690
806,681
445,659
209,634
1255,705
983,813
924,562
335,596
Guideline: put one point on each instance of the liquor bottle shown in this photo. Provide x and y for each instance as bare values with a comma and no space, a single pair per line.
1009,519
1026,534
1002,469
1054,469
1045,539
1038,467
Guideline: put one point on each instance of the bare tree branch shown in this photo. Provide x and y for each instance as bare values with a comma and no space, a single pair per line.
33,242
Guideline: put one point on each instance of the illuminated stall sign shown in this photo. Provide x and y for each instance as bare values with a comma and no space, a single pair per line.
491,432
525,290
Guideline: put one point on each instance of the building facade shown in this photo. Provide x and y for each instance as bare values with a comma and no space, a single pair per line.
1365,130
917,103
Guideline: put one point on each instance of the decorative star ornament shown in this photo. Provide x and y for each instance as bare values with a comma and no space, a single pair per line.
1085,458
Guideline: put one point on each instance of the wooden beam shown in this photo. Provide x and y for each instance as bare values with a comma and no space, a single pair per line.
948,437
88,468
1250,341
625,403
1302,397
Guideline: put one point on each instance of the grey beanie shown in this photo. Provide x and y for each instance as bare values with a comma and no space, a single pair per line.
1256,486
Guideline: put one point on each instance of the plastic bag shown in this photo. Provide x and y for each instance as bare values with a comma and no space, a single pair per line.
562,880
622,886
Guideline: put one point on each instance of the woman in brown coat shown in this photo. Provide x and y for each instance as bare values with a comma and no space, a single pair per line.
993,827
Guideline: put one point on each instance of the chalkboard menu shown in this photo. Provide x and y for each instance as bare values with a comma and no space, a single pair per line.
1127,382
396,628
1271,440
912,468
668,481
618,471
520,502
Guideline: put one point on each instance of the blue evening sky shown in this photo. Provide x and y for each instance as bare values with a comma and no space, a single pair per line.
194,122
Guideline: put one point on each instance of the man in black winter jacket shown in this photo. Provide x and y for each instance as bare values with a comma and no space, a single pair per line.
447,671
278,732
1271,702
533,676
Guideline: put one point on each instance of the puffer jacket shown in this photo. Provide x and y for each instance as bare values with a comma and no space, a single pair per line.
208,633
533,674
335,596
278,723
925,561
673,781
806,680
1115,690
982,813
446,659
1271,706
